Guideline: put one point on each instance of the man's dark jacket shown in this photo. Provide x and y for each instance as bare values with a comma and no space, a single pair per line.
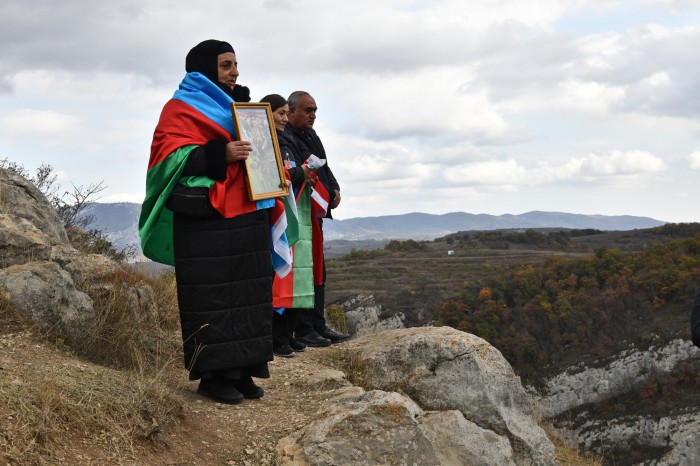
308,143
695,319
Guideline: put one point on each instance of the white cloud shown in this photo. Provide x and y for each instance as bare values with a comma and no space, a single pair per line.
589,96
505,173
509,174
123,197
618,163
37,122
694,159
434,105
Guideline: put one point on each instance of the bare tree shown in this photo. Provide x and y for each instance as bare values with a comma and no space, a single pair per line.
72,203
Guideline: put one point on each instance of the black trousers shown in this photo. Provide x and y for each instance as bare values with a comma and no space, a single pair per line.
283,326
313,320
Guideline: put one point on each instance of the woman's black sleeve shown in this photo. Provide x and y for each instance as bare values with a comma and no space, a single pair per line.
208,160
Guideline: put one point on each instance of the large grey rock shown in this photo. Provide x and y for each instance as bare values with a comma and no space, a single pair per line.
459,441
20,198
444,369
382,428
46,293
363,316
48,279
21,241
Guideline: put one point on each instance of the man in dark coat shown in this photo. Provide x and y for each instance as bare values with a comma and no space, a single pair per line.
695,319
311,325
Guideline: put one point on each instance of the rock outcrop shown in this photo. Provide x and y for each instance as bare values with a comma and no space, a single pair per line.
578,390
628,370
679,435
42,275
379,427
364,316
436,396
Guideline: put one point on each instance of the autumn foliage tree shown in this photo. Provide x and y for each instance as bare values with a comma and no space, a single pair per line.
538,314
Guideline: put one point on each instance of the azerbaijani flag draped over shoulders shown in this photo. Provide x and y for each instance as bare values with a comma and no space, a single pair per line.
296,290
319,206
198,112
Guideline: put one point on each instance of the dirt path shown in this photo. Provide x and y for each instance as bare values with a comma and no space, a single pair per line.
246,434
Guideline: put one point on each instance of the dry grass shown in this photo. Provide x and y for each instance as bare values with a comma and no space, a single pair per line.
568,453
165,289
348,362
11,319
127,332
58,403
336,318
94,407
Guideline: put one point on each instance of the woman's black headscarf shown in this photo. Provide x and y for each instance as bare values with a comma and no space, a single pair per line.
203,58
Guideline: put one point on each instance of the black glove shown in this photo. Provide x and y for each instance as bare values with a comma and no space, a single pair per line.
240,93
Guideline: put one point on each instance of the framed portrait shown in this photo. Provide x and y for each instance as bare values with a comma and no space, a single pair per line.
264,172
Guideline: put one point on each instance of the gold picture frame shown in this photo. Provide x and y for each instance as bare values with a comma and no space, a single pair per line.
264,170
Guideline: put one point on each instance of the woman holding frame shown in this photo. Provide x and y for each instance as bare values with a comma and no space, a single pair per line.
197,216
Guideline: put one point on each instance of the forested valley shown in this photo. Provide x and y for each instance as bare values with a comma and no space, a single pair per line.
547,299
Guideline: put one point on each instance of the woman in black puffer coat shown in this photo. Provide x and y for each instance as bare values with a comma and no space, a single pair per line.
198,217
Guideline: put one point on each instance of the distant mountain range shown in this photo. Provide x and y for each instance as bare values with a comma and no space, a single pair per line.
120,222
427,226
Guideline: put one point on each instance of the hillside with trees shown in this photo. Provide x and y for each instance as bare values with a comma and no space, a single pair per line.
561,303
547,299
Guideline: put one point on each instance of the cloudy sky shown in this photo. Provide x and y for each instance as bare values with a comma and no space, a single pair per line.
496,107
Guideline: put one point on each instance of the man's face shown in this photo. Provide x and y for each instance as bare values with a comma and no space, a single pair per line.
303,116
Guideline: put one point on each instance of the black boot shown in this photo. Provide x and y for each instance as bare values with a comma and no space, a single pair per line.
247,387
221,390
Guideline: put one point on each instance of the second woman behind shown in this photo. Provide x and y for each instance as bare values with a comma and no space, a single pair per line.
297,289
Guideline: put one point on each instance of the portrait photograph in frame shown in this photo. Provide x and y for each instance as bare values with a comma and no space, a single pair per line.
264,172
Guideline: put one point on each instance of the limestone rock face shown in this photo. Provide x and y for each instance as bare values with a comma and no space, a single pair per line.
628,370
20,199
46,293
679,432
437,396
378,427
363,316
582,387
